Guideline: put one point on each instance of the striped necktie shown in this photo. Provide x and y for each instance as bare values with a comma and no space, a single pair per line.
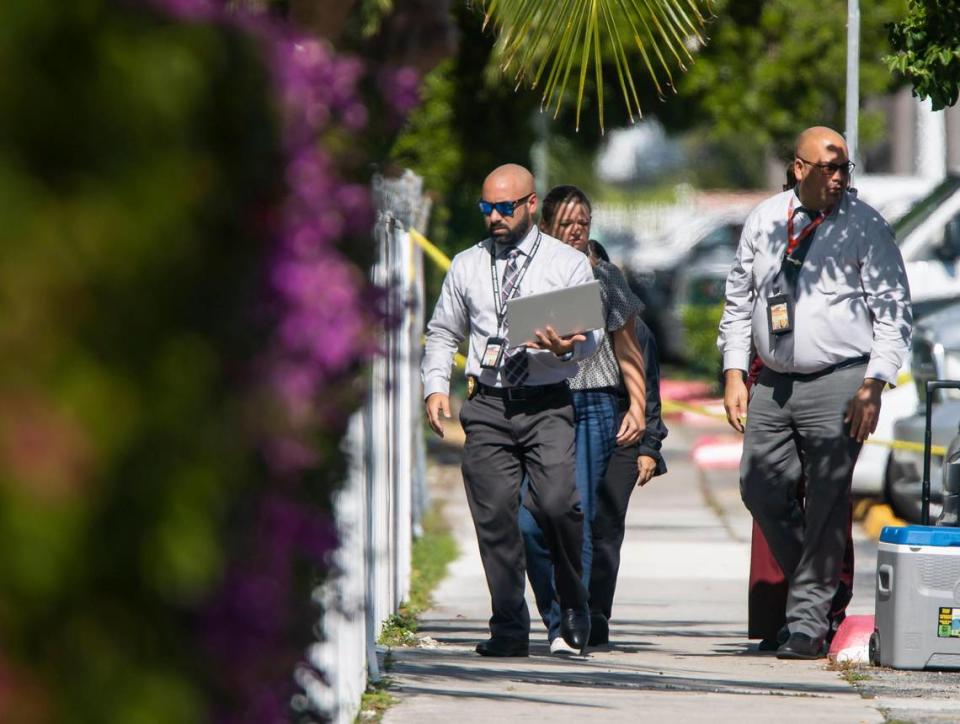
516,366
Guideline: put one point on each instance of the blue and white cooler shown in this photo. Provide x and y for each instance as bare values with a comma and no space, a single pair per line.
917,623
918,599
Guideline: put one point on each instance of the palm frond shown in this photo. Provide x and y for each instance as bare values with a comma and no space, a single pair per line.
542,43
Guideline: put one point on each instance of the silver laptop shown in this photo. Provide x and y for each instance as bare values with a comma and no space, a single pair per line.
568,311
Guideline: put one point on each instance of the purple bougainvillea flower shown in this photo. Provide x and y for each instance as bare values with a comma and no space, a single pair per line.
190,10
401,89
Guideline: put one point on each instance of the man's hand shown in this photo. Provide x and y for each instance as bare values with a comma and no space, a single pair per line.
735,398
549,339
646,467
437,404
864,409
632,426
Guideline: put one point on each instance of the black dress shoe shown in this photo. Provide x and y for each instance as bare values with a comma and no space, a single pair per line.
575,628
599,630
801,646
774,643
499,646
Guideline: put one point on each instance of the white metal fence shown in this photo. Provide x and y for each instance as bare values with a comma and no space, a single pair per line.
379,509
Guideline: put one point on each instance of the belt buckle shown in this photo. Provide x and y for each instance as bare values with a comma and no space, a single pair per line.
516,394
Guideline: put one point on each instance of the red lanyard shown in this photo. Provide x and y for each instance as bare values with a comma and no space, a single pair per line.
794,241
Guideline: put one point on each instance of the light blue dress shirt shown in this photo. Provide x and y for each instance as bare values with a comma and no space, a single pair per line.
466,305
852,293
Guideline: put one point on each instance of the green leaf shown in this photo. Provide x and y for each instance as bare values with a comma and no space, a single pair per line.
538,39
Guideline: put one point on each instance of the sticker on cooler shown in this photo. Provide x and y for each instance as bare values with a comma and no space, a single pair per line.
949,624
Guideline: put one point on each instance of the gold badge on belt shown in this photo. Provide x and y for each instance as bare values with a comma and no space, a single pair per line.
471,386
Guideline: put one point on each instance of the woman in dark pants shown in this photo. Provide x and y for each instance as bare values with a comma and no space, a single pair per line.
630,466
603,381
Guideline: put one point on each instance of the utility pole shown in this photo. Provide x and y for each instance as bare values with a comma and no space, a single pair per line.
540,153
853,79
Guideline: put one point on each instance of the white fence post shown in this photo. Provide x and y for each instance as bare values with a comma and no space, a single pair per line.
380,507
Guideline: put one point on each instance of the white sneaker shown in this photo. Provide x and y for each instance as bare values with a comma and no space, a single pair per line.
561,648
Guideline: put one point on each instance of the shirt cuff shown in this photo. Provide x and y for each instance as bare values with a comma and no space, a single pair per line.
436,385
736,360
882,370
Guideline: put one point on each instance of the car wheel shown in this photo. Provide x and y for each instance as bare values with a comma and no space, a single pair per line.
902,503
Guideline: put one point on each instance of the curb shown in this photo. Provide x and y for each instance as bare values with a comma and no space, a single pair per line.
682,390
717,452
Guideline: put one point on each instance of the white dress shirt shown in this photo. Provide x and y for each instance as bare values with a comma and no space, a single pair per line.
466,304
852,297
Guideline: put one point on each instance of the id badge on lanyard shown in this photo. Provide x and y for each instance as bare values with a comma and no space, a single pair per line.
779,314
780,307
493,353
495,347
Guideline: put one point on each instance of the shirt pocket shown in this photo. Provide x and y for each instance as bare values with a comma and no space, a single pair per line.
837,275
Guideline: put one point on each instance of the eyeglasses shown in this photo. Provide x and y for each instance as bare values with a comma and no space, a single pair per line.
828,169
504,208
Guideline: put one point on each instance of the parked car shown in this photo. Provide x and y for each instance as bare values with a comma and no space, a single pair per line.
656,271
928,235
929,239
906,466
871,474
696,308
936,355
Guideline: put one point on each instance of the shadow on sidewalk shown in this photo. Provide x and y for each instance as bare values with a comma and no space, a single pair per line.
419,667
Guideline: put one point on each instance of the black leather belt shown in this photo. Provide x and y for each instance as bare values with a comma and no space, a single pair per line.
807,376
522,394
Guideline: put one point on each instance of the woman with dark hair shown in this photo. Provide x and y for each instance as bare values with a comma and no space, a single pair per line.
609,398
620,480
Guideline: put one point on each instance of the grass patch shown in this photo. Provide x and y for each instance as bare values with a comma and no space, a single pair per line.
375,701
851,671
399,629
432,553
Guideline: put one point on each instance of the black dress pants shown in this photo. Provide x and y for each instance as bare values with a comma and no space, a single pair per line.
504,441
609,524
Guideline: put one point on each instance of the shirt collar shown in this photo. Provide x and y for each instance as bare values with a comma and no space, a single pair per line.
831,212
799,208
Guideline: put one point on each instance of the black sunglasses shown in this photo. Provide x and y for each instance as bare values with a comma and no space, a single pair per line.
504,208
828,169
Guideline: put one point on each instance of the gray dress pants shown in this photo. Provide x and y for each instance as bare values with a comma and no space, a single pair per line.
504,441
795,430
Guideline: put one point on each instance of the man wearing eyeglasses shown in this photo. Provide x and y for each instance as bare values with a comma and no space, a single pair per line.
519,415
819,289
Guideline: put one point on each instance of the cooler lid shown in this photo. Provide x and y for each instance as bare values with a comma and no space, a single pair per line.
920,535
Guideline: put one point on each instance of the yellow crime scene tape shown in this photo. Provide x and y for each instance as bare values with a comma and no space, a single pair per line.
904,378
442,261
674,406
430,249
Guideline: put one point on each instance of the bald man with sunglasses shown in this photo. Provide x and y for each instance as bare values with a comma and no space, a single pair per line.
819,289
519,415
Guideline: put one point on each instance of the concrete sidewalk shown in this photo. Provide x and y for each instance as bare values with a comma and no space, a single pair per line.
679,631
